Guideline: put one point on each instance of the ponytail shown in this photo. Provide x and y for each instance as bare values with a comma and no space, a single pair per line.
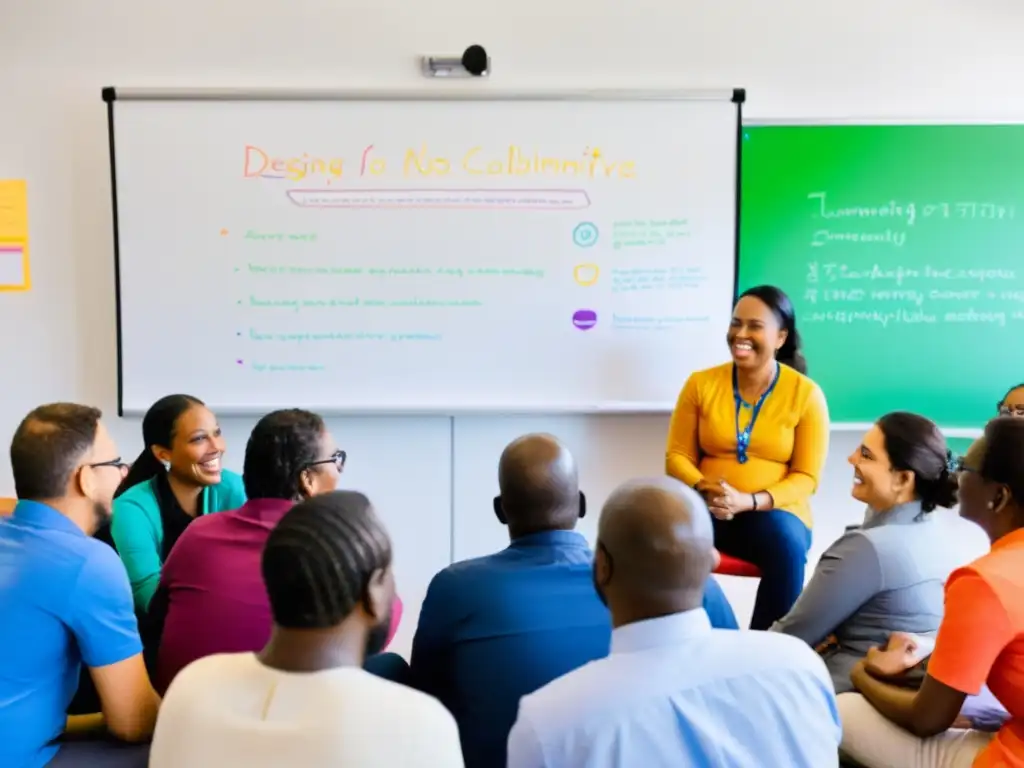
144,468
157,430
791,353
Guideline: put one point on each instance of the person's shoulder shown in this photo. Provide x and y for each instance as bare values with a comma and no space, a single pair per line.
708,383
471,568
457,582
231,480
967,540
792,378
204,525
857,538
781,652
100,557
566,693
141,495
466,574
998,567
197,534
713,375
391,699
216,669
60,556
805,390
229,493
100,580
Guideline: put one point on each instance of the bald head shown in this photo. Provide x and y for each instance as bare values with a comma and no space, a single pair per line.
656,548
539,485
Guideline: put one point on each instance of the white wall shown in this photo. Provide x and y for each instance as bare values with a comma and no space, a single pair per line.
797,58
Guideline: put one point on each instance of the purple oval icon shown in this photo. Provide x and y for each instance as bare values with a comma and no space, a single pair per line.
584,319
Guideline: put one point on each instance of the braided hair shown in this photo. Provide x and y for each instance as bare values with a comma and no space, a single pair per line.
318,561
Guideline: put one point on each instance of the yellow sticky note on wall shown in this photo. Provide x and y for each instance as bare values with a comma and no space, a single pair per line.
14,271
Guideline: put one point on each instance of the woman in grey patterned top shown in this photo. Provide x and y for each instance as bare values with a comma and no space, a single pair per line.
887,574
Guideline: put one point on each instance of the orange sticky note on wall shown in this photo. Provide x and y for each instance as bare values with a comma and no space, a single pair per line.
14,269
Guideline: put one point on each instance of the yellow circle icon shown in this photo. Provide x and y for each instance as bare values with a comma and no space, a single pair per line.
585,274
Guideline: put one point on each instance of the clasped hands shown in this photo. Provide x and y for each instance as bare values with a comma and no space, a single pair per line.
724,501
900,655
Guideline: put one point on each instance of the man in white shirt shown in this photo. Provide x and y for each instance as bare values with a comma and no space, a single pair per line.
305,699
674,691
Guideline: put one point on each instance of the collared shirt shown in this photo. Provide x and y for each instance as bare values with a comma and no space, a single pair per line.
498,627
675,692
211,597
884,576
65,600
982,640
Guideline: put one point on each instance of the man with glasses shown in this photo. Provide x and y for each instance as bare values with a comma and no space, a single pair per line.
65,601
1012,403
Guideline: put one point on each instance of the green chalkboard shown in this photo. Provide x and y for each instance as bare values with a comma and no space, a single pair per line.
902,247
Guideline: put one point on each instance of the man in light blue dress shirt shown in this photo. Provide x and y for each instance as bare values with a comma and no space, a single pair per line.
495,628
674,691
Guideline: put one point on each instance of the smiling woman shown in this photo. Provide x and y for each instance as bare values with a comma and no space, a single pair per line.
177,477
886,575
751,436
980,640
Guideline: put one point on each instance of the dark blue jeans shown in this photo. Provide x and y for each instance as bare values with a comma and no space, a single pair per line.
777,543
100,753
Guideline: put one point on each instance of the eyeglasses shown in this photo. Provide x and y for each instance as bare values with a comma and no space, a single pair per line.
1017,410
117,464
337,459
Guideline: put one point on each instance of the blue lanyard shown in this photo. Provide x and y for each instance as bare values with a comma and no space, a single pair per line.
743,436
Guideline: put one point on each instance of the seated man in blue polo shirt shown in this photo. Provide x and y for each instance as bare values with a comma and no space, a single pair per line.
498,627
65,600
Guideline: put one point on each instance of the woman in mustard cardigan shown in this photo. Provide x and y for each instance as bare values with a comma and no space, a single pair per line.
177,477
751,436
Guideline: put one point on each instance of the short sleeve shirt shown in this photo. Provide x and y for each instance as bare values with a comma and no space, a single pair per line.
65,601
981,641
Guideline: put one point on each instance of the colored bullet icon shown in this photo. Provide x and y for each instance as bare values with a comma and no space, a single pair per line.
586,274
584,319
585,234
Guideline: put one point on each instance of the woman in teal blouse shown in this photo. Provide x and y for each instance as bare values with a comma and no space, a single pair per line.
177,477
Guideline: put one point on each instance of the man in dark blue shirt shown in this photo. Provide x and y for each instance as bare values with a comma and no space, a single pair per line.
496,628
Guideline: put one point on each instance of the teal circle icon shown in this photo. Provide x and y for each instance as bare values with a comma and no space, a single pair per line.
585,234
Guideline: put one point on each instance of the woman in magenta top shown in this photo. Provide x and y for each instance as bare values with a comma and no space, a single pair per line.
211,598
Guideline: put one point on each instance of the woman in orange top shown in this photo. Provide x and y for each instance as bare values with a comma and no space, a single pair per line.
751,436
981,638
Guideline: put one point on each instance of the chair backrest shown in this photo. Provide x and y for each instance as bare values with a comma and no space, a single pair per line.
7,506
